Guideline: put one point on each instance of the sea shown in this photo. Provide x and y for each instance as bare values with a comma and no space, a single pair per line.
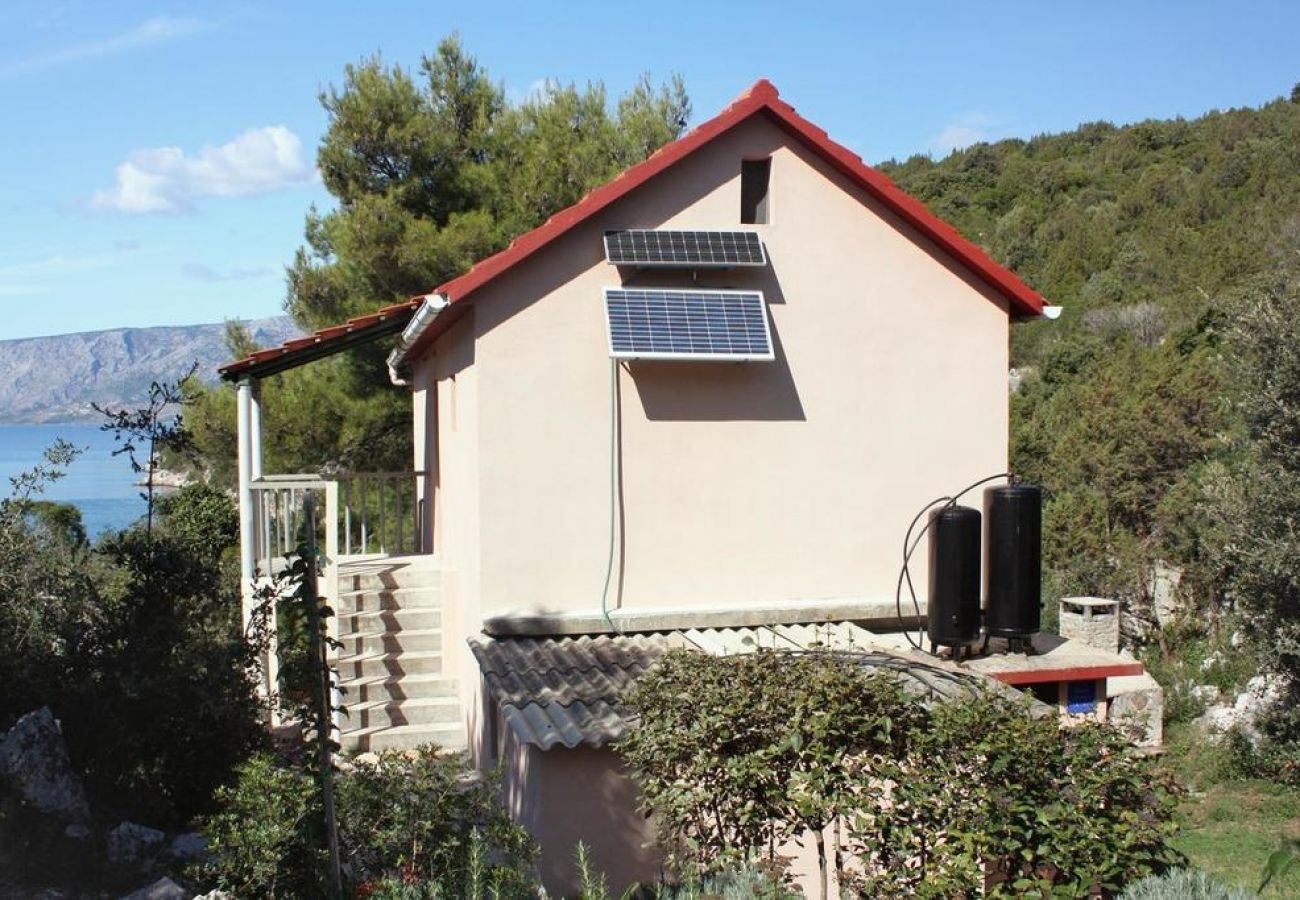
98,483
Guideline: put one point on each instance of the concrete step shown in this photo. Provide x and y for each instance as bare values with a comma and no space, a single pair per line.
409,662
404,737
397,713
391,641
390,620
398,687
390,580
387,599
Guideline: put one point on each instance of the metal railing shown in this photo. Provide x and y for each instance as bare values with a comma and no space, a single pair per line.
381,512
365,513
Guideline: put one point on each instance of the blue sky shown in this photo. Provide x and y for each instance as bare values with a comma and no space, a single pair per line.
158,158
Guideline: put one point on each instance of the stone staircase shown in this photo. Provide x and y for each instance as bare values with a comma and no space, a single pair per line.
390,666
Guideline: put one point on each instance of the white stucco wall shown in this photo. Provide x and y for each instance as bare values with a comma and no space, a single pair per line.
791,480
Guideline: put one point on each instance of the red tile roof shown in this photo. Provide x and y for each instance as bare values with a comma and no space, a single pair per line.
762,97
291,353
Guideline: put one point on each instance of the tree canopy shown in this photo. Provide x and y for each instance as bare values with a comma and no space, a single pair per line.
430,170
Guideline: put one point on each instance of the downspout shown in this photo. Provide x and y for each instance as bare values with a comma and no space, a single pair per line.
420,322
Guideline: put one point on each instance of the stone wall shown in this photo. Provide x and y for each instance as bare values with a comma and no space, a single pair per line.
1091,621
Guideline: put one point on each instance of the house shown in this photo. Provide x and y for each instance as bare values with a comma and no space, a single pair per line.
579,501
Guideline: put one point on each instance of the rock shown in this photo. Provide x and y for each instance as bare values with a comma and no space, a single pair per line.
1214,659
77,832
214,895
188,847
34,765
1261,694
1137,703
162,889
132,846
1164,591
1206,693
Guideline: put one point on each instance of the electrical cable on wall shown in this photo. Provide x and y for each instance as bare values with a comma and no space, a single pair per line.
909,547
613,490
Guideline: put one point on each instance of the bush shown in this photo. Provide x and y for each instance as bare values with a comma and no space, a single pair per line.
735,755
413,814
266,839
411,825
744,883
136,647
987,791
1184,884
157,700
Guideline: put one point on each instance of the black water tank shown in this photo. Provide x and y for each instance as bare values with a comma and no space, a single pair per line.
953,610
1013,515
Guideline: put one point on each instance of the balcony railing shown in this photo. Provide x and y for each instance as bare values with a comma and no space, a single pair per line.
365,514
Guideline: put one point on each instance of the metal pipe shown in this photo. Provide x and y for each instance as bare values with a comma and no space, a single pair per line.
247,549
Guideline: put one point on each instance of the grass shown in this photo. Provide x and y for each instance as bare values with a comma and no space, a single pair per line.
1230,823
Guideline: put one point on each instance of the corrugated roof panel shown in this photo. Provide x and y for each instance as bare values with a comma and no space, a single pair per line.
569,690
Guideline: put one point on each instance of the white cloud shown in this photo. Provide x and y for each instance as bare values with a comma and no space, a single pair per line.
158,30
200,272
966,129
166,180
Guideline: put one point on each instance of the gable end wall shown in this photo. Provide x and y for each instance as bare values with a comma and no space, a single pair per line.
740,483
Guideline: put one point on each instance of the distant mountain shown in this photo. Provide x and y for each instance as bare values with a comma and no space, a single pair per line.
55,379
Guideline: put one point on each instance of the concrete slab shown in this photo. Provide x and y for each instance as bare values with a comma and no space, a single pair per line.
876,613
1054,659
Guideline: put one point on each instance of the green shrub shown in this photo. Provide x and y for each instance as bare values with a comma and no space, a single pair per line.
267,836
736,755
1184,884
203,516
156,700
411,825
987,790
412,815
743,883
136,647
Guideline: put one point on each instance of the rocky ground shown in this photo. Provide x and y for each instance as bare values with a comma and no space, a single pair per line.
54,847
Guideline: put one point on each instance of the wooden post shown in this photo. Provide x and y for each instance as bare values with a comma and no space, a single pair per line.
323,692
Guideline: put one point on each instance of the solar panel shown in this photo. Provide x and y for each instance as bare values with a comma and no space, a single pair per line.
684,249
652,323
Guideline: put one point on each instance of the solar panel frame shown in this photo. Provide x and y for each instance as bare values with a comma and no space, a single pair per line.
674,249
659,324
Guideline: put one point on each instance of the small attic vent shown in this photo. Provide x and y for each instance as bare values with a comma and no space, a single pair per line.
684,249
724,326
755,178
